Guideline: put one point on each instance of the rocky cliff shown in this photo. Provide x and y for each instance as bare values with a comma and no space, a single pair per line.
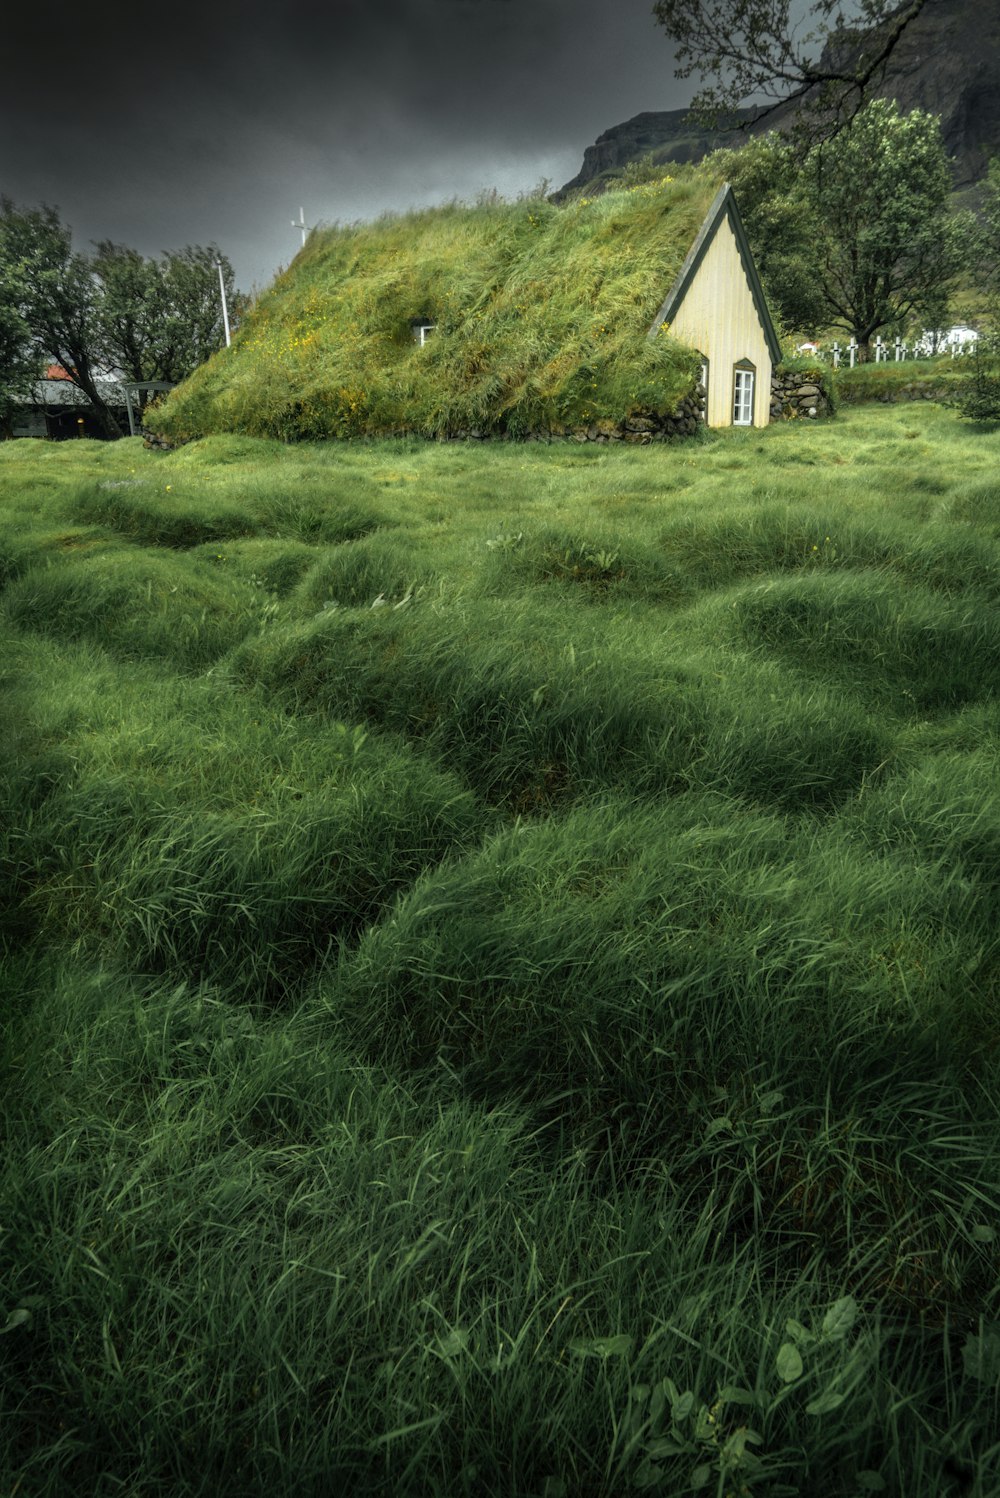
666,135
948,63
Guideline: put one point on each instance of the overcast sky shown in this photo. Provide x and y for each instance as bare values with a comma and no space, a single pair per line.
158,126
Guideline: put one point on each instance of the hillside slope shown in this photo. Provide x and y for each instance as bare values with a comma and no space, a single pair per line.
541,313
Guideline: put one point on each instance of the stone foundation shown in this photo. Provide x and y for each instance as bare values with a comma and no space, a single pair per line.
637,429
797,395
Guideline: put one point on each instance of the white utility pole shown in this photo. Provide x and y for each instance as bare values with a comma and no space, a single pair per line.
225,309
300,223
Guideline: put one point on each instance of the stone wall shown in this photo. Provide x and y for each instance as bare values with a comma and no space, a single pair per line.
929,389
798,393
638,430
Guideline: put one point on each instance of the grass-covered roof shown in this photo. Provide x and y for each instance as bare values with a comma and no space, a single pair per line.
542,314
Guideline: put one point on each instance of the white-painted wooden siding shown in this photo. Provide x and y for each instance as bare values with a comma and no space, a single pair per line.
718,317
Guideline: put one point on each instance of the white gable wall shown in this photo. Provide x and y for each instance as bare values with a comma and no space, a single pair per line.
717,317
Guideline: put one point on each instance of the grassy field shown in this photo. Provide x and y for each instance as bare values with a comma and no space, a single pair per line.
501,966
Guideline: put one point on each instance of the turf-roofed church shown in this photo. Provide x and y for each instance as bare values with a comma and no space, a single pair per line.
516,320
717,305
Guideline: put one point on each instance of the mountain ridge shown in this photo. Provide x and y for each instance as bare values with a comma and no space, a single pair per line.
947,63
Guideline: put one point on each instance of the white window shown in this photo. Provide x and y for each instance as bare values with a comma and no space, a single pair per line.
704,385
422,331
743,398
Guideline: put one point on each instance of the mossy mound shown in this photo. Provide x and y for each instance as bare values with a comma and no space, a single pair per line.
541,315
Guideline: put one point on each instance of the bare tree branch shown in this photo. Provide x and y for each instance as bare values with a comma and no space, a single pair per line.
750,51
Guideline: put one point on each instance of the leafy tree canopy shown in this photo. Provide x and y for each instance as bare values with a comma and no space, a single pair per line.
20,366
887,246
147,319
160,319
779,221
859,235
53,292
988,242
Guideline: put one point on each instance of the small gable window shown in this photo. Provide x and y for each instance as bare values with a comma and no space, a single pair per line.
422,328
744,378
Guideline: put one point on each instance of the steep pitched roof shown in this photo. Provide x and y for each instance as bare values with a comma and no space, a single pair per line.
541,317
723,208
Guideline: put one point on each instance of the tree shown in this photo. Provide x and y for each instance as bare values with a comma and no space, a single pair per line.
150,319
988,243
979,398
19,365
887,246
778,218
159,319
54,291
751,49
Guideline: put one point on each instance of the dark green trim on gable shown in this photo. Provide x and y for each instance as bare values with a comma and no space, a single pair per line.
723,206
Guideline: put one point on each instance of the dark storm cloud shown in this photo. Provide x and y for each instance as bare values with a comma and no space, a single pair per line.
180,124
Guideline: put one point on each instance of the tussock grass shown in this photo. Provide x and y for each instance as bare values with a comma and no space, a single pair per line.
530,716
281,1143
26,543
766,538
212,836
602,567
275,566
140,604
165,517
977,504
527,1037
189,515
906,641
525,717
376,568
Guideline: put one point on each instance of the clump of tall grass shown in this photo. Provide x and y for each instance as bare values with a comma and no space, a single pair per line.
411,1293
377,568
627,974
186,515
770,538
532,708
602,567
28,541
215,840
276,566
517,708
897,643
977,502
139,604
645,1142
321,515
164,516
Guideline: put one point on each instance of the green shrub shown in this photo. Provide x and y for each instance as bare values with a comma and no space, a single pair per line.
978,397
